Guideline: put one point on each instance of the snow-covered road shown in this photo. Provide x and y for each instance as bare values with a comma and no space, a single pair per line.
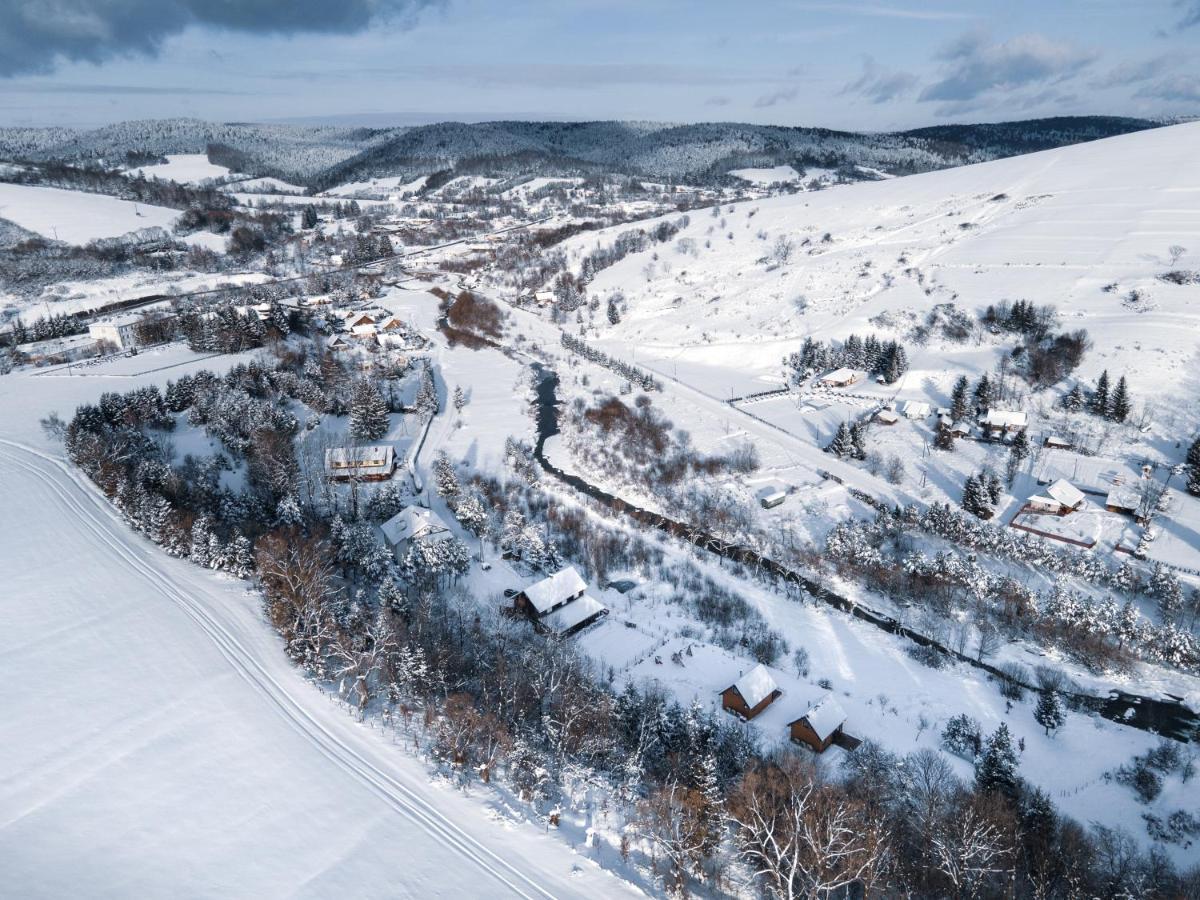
157,741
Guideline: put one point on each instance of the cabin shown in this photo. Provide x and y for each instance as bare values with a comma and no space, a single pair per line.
916,409
559,605
770,497
842,377
1003,424
337,343
544,298
1124,499
820,726
962,428
355,319
373,463
363,332
750,694
1060,499
887,417
391,324
1054,442
412,525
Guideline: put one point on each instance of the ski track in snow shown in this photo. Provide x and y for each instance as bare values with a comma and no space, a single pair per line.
101,523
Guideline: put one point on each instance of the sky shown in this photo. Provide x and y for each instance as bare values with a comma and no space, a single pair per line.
869,66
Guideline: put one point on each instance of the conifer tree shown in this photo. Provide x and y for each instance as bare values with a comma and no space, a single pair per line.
996,771
983,392
1073,400
958,399
842,445
1119,404
943,437
1099,401
1049,712
368,412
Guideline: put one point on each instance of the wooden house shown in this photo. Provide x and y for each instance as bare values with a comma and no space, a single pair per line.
559,604
842,377
887,417
1060,499
372,463
750,694
820,726
1003,424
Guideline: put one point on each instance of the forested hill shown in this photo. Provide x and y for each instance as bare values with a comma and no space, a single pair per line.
322,156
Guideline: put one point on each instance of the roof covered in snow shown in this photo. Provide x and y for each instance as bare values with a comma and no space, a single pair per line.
840,376
1066,493
413,523
825,718
566,618
549,592
916,409
756,685
1006,418
1124,496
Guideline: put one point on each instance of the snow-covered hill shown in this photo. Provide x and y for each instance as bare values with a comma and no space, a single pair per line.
1087,228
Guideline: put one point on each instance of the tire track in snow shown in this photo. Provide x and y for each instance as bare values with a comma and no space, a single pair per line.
65,484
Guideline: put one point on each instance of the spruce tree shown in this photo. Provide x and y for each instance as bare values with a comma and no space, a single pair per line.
1118,409
858,434
1193,454
943,438
996,771
1049,712
1073,400
842,444
1099,401
983,392
368,412
958,399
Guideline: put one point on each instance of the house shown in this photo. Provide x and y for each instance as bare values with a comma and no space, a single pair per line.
1125,499
1060,499
373,463
842,377
1054,442
551,593
1000,424
363,332
413,525
770,497
337,342
750,694
120,332
887,417
391,324
558,604
962,428
916,409
820,726
355,319
544,298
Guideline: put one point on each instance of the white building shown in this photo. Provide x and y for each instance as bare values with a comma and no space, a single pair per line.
120,331
1060,498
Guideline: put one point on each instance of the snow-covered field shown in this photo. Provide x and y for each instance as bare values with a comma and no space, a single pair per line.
77,217
773,175
157,740
185,168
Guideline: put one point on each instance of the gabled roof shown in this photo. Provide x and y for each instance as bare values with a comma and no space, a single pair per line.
825,718
1124,496
756,685
575,612
916,409
551,591
413,523
840,375
1065,493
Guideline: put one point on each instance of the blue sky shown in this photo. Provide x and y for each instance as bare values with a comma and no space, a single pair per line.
865,66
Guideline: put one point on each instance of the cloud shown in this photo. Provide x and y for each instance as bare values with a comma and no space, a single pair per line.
717,101
1191,14
1176,89
1128,73
878,84
114,89
882,11
975,65
37,35
784,95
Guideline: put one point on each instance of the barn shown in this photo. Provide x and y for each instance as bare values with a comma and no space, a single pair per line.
750,694
820,726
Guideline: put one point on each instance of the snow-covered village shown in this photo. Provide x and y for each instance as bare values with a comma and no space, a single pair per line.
615,501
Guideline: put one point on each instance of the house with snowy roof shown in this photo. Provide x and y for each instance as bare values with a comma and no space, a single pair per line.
1059,499
1003,424
371,463
842,377
751,693
559,604
820,726
412,525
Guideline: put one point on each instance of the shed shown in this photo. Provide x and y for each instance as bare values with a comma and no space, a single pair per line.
751,694
820,726
771,496
1054,442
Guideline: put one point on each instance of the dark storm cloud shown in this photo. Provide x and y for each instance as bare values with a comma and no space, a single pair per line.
35,35
976,65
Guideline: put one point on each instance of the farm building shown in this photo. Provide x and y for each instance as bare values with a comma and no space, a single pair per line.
412,525
1001,423
1125,499
1060,498
842,377
820,726
544,298
373,463
1054,442
887,417
750,694
916,409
